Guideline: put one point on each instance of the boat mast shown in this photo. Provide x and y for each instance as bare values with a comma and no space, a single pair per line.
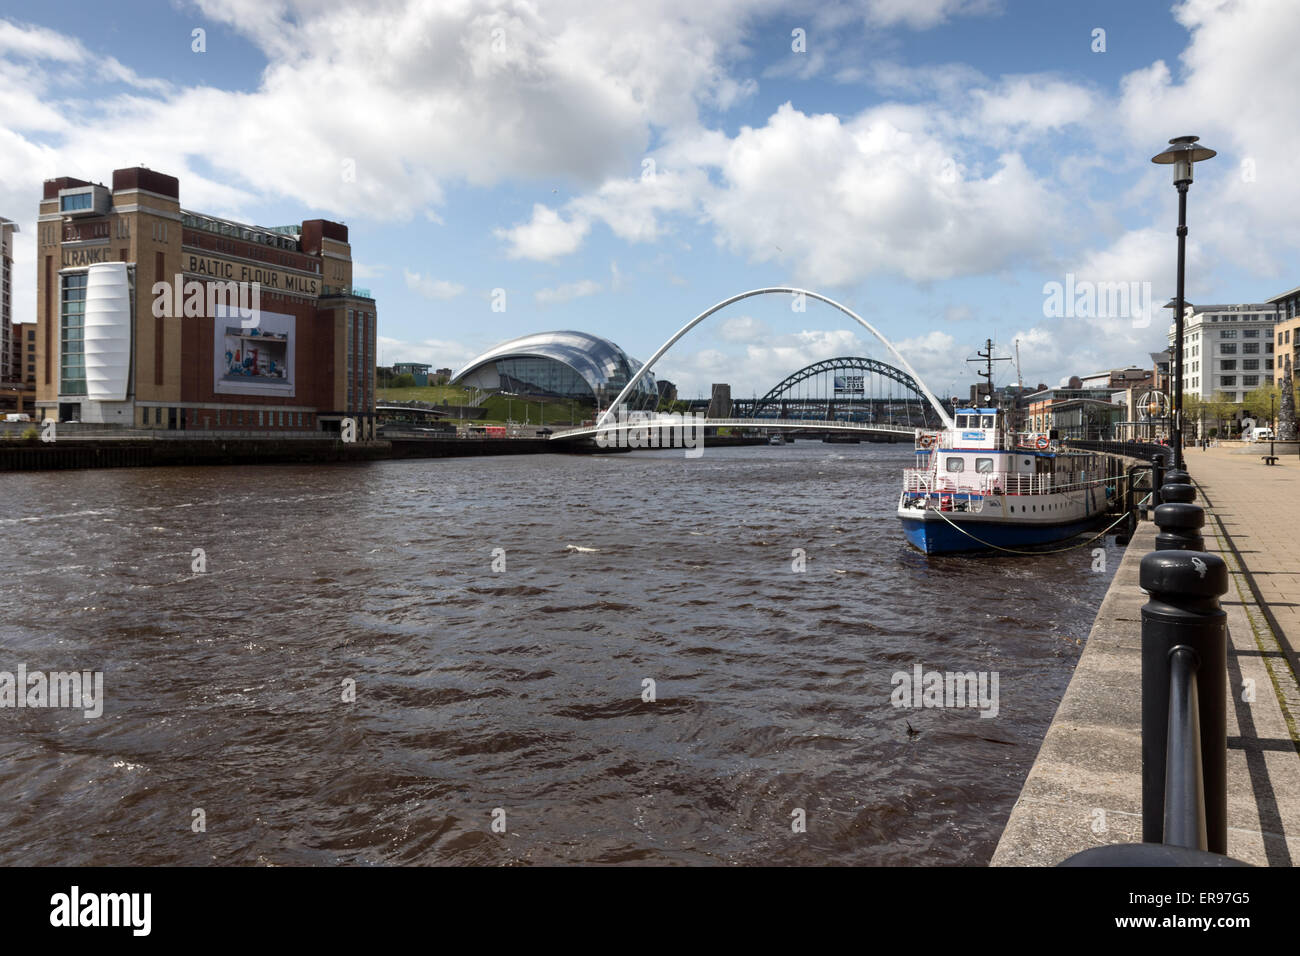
987,357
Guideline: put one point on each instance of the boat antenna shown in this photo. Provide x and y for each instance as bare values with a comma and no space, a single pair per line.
987,357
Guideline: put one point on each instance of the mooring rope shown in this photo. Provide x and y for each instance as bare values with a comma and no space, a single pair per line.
995,547
1071,547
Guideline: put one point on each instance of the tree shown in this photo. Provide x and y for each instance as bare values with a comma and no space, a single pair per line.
404,381
1262,403
1220,409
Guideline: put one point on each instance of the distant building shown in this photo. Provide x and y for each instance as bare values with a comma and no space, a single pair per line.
137,322
667,390
1286,333
416,370
720,401
565,364
1286,345
443,376
7,228
20,390
1161,362
1227,349
1073,412
1118,378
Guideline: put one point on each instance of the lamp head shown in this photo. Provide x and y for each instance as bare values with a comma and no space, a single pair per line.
1182,154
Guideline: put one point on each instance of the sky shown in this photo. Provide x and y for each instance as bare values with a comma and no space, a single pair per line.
938,166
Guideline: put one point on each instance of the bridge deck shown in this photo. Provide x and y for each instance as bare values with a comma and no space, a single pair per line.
782,424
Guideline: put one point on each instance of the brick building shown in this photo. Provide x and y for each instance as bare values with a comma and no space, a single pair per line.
156,316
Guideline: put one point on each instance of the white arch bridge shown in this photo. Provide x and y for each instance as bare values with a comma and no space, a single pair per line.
611,421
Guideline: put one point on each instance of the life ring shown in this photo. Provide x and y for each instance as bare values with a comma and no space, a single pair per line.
927,441
1042,442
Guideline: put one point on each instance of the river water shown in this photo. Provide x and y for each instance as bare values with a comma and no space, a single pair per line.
517,694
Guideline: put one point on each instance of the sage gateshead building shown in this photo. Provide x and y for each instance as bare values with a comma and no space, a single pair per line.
572,365
137,322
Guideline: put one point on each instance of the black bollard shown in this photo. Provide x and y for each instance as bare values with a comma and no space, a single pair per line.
1177,491
1183,610
1157,478
1180,525
1184,779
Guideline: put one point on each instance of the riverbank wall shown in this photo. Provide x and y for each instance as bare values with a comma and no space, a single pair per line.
154,452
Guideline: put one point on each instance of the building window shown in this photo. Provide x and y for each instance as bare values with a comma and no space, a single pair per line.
74,202
1228,334
1250,380
1228,348
1228,366
1250,333
1228,380
1250,348
1250,364
72,357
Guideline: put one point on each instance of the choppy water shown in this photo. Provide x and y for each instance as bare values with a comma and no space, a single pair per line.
519,690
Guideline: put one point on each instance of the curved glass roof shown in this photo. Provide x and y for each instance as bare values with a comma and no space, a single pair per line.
599,361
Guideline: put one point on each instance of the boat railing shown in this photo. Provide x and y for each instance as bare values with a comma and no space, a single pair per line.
925,481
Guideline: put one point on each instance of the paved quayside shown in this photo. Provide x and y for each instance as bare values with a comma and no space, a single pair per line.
1085,787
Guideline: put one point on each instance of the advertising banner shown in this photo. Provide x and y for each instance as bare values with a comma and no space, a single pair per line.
848,385
253,361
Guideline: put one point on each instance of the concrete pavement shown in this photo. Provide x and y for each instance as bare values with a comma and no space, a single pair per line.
1084,788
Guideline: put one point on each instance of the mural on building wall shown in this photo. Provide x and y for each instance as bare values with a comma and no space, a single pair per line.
253,361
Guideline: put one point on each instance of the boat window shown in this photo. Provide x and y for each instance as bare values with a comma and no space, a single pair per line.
988,421
956,464
961,421
984,465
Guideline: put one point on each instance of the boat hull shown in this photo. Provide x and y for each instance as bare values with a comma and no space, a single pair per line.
929,532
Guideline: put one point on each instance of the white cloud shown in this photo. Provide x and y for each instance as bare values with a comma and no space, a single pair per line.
1033,104
744,328
1236,90
920,14
432,288
879,194
546,236
567,292
440,353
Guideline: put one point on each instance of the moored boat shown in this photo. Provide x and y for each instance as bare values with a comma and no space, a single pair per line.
980,486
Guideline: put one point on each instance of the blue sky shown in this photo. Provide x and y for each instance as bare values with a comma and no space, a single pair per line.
618,169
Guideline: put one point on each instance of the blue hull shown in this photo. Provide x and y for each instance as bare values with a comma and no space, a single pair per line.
937,536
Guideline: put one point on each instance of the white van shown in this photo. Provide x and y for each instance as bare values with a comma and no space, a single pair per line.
18,417
1262,434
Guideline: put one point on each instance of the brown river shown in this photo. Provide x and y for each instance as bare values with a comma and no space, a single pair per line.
533,659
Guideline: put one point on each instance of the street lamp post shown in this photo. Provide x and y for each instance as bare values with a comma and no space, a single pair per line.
1272,425
1182,154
